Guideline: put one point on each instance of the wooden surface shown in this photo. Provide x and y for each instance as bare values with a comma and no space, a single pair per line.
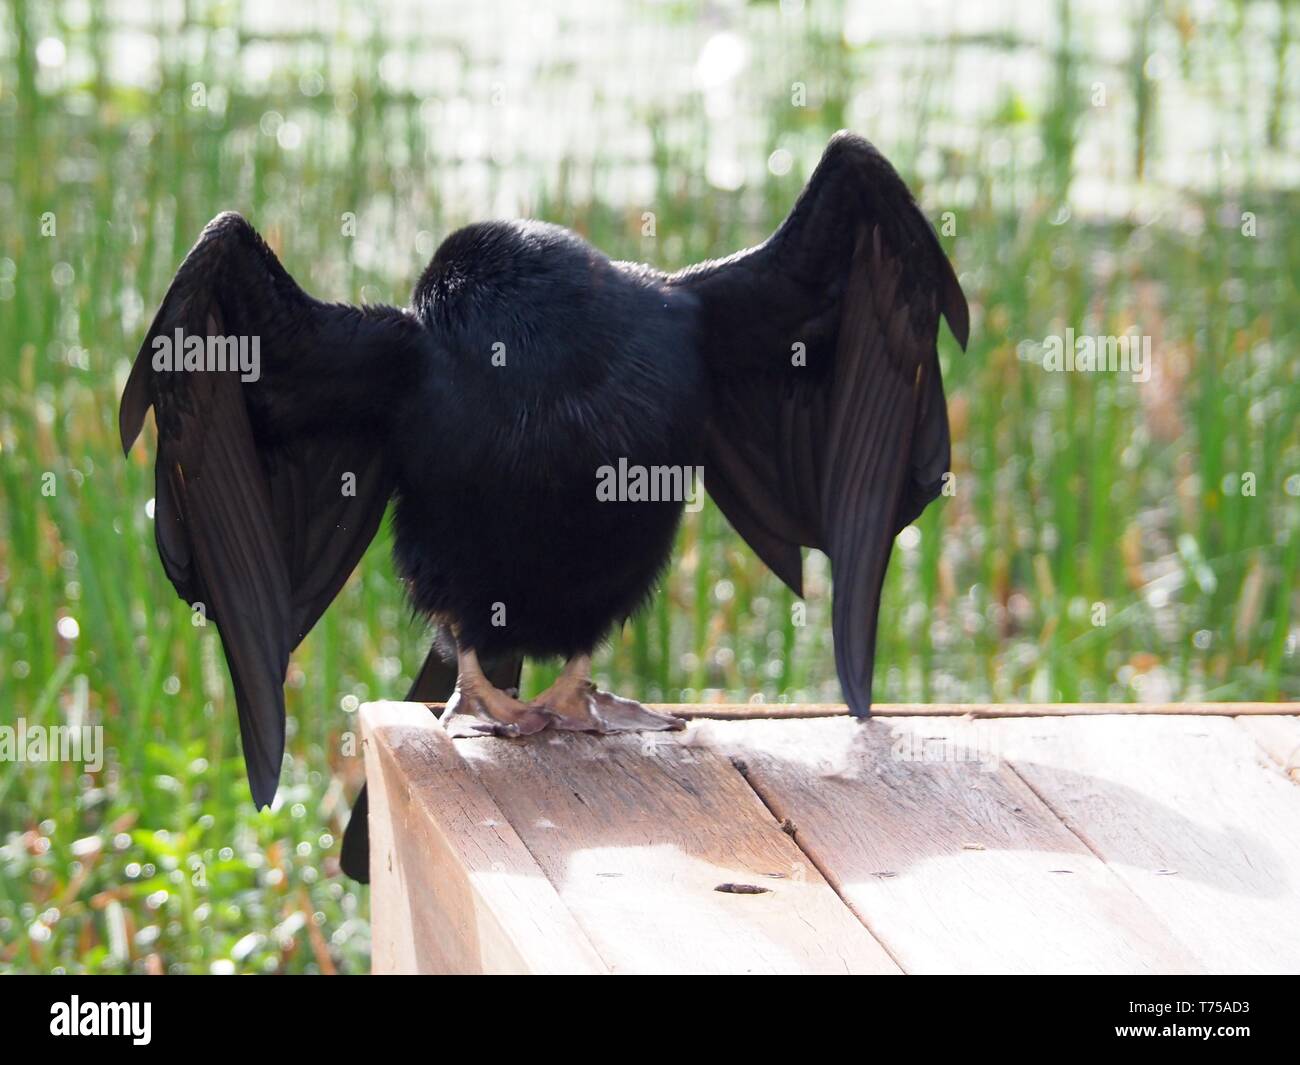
457,889
954,862
1192,816
982,841
637,832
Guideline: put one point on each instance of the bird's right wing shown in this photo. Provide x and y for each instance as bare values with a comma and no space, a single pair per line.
267,489
829,427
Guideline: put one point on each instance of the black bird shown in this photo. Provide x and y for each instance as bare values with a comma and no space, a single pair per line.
802,375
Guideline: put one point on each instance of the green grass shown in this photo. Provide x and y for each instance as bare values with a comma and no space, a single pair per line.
1071,490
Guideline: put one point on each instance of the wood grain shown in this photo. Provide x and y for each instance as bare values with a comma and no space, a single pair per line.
944,852
454,890
638,832
1185,811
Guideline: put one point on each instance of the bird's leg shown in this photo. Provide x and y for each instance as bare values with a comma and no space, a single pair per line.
477,695
576,704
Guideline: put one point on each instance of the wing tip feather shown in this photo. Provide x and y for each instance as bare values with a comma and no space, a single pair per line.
955,308
857,689
263,780
136,399
129,423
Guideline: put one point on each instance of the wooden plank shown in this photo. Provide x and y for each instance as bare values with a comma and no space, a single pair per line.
944,852
1187,813
784,711
453,887
1280,738
637,832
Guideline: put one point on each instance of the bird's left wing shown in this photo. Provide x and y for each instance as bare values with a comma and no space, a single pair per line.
268,485
829,427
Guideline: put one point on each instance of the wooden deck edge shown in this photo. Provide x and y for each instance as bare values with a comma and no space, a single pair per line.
758,711
747,711
453,887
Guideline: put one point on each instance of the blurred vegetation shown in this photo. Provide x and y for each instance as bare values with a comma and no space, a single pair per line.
1108,167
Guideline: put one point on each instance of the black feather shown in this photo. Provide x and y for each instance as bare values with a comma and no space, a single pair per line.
527,364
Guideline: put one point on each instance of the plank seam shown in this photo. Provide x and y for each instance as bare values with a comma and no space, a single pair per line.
428,812
595,946
1122,881
739,766
1065,824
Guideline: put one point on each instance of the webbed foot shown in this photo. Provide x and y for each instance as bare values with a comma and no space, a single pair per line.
575,704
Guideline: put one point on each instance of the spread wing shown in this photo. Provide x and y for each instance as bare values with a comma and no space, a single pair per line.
269,484
829,427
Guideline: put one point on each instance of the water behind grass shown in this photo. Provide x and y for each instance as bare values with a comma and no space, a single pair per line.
1108,168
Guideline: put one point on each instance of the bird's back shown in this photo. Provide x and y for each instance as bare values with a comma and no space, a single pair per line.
553,364
552,359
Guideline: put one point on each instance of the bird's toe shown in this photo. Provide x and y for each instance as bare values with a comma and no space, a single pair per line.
500,714
617,714
588,709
